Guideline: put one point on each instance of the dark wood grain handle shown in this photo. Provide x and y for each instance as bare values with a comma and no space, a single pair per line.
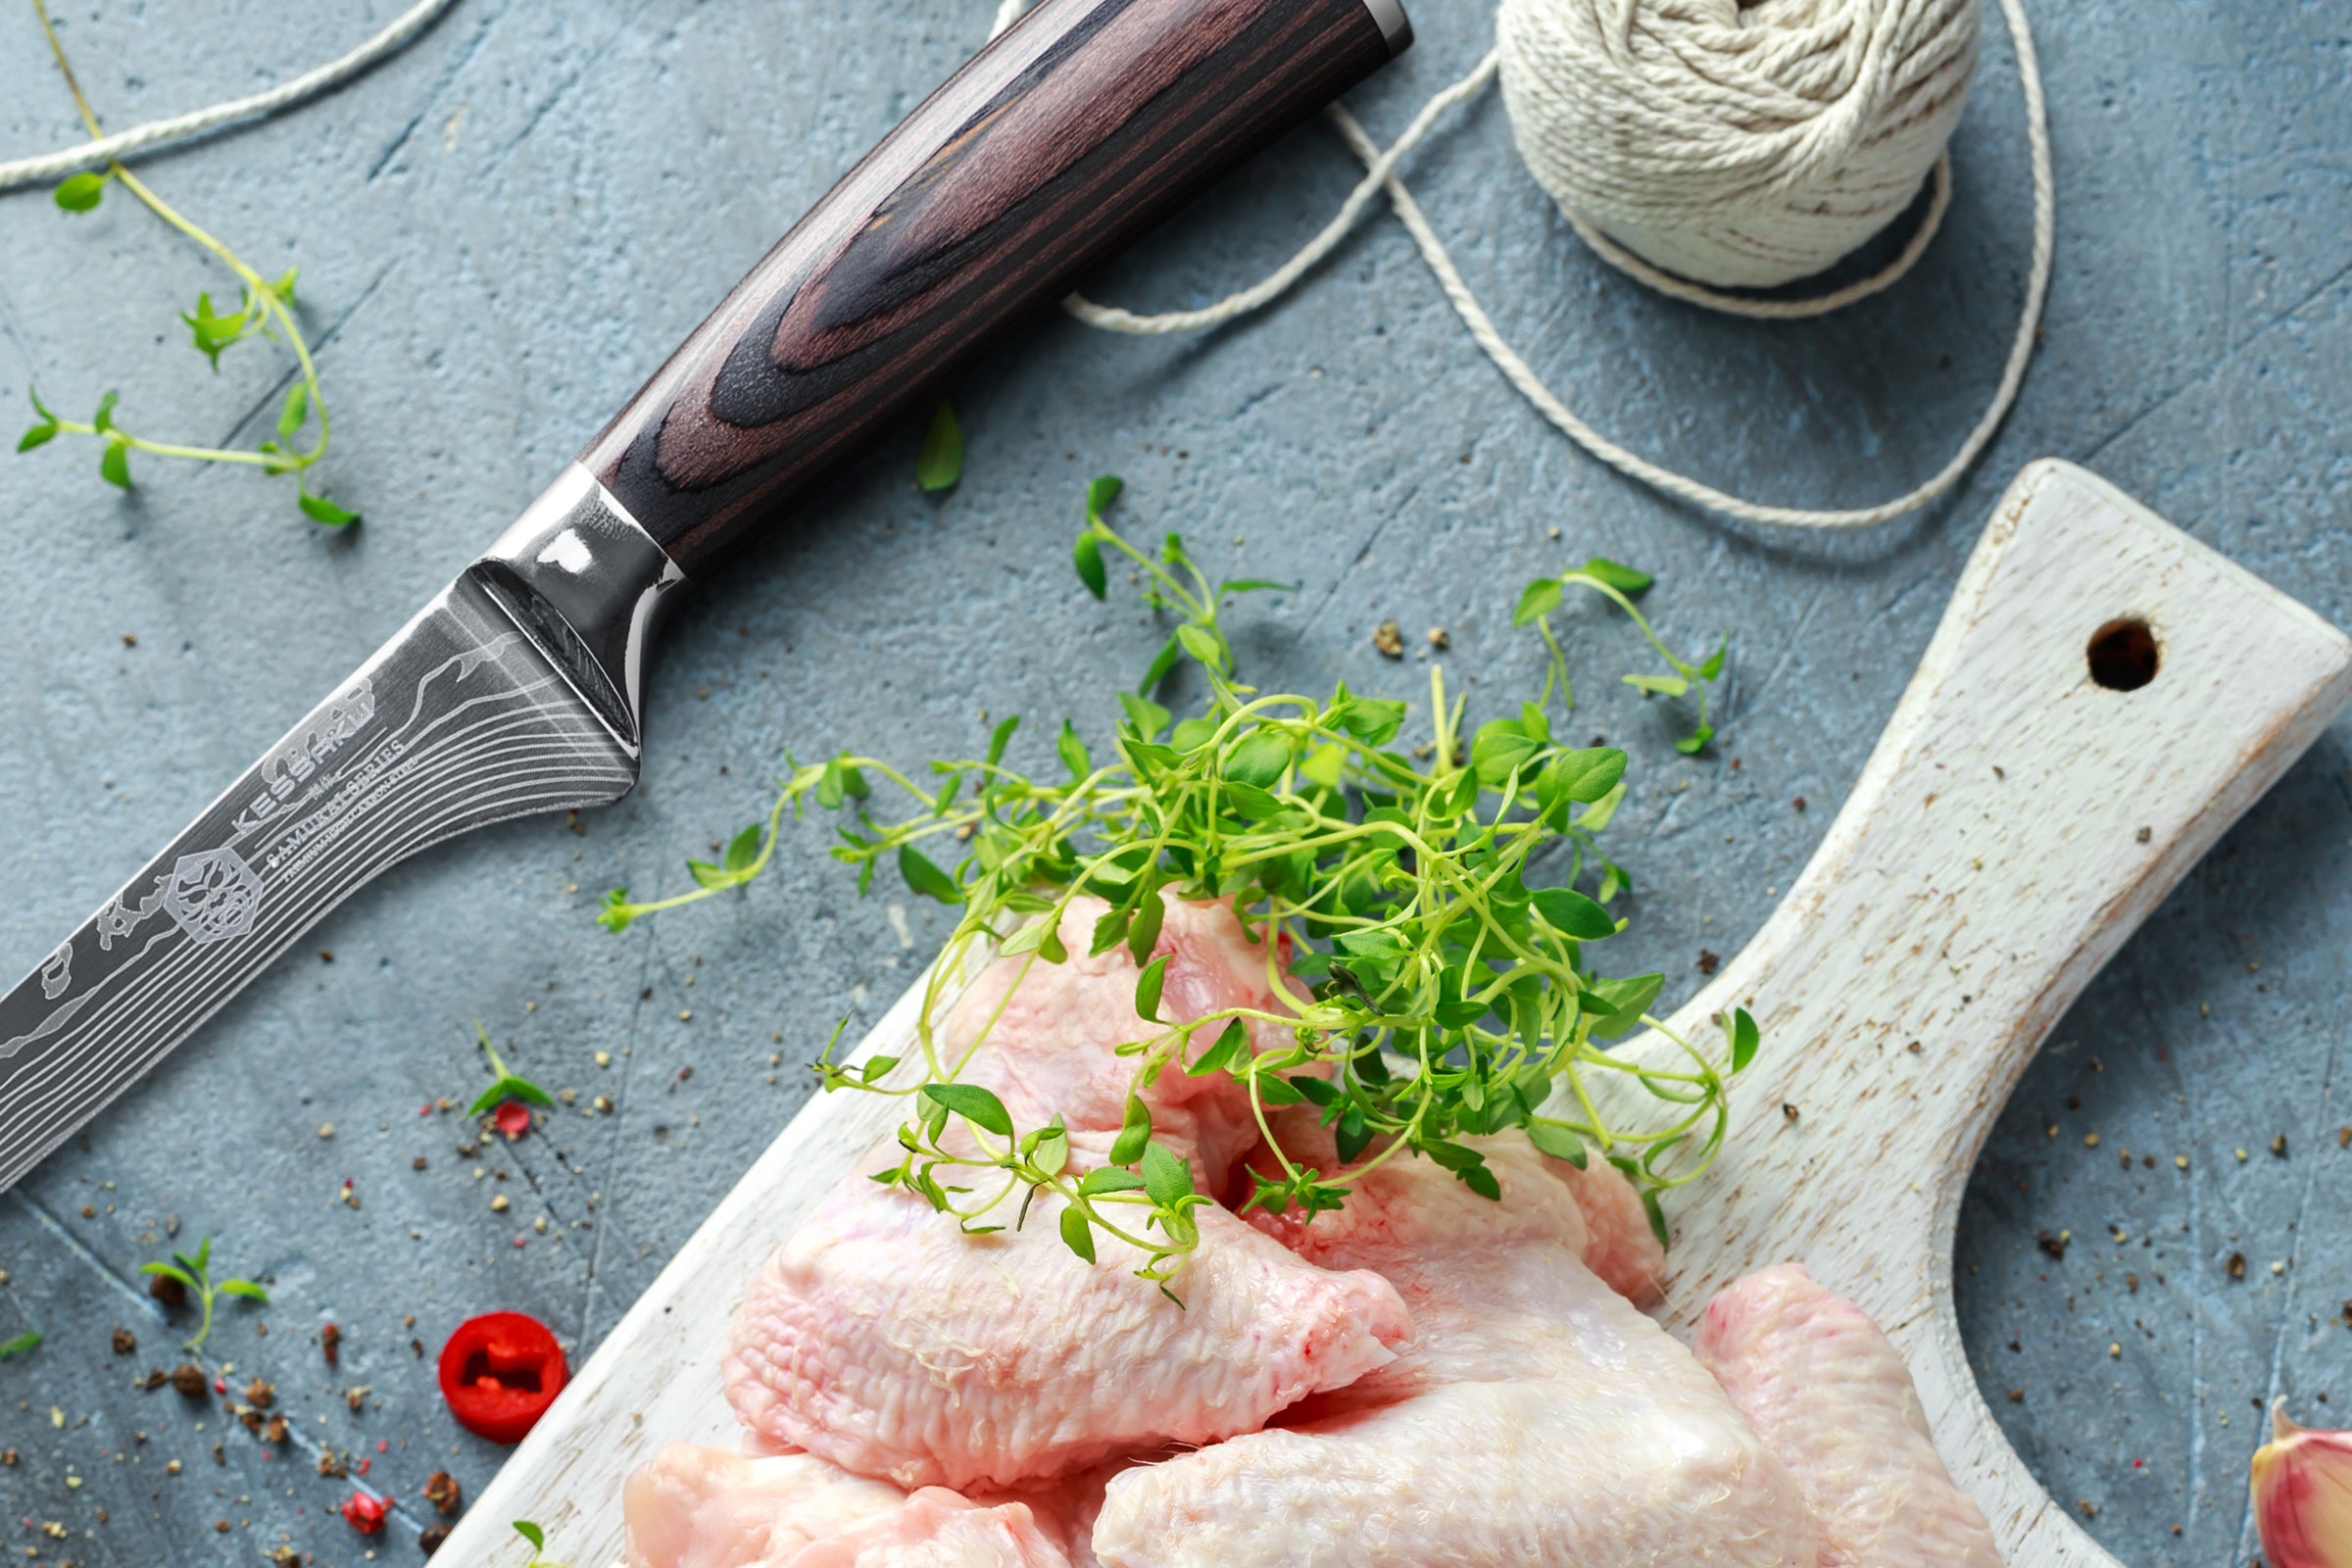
1086,123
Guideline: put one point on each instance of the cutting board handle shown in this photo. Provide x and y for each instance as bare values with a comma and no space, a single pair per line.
1053,149
2103,697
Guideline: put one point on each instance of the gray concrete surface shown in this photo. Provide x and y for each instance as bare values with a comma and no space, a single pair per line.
502,230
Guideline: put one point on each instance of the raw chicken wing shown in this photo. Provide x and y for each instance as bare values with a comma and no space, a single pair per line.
1534,1420
691,1507
884,1338
1815,1376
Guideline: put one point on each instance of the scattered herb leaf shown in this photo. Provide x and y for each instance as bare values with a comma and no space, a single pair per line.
193,1274
939,463
265,309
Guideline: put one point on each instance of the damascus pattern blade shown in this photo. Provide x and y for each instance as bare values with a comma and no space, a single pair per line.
458,721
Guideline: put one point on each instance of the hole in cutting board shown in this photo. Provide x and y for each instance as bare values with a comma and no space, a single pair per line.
2124,655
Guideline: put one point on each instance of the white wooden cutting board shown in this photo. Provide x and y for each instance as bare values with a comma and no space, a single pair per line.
2015,825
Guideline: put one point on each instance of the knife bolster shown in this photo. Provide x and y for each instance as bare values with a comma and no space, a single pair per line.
589,586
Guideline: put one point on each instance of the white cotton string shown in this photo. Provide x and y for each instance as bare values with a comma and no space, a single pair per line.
1380,170
48,166
1824,178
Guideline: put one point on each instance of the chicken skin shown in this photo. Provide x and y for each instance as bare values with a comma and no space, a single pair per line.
1534,1420
1826,1390
692,1507
887,1340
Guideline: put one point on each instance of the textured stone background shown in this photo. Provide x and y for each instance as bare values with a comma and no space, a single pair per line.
502,230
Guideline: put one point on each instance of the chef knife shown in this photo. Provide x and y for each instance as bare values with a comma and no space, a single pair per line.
518,687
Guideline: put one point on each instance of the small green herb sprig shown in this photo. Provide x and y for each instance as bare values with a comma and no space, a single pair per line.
507,1084
1451,996
192,1272
22,1344
265,309
1620,586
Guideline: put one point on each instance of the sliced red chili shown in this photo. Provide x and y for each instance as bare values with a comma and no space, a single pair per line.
500,1372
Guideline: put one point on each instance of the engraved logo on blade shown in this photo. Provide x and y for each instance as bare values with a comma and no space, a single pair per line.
58,973
214,896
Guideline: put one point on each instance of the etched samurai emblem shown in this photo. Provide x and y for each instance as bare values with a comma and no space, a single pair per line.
213,895
58,973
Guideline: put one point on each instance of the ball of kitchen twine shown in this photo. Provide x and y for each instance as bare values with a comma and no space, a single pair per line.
1740,146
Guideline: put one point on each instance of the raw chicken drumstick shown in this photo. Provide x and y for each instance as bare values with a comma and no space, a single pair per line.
1536,1419
885,1339
1815,1376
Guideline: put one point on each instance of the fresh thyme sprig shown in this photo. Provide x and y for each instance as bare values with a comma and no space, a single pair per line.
508,1084
23,1343
265,309
1619,584
1450,997
191,1272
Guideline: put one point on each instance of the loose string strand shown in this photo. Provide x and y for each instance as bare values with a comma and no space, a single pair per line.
46,166
1381,168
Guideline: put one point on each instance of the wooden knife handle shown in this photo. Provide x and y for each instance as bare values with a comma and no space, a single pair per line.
1082,127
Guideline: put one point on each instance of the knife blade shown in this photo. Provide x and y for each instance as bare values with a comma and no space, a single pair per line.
519,688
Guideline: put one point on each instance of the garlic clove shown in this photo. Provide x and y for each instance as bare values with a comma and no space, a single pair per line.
2301,1487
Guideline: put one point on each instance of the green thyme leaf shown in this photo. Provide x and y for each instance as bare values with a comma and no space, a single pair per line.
1232,1043
1260,760
1561,1143
939,462
1134,1134
1000,738
1571,914
1743,1039
1088,556
1077,1234
926,878
1100,492
79,193
743,849
1624,579
1162,664
18,1346
1072,751
1146,989
974,1104
324,512
114,463
1144,934
1538,599
1109,1179
1167,1179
